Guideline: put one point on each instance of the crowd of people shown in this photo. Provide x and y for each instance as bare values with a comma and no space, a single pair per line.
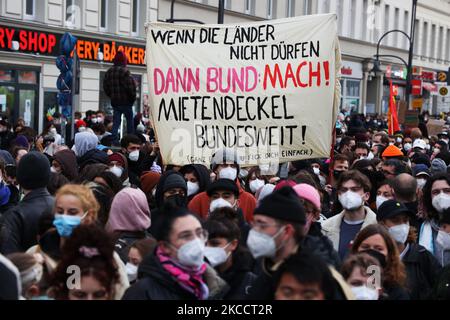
91,219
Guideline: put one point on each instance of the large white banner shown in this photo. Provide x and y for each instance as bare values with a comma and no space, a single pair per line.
270,90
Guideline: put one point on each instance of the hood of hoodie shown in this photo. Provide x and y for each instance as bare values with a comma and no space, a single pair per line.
84,142
203,176
68,161
129,211
91,157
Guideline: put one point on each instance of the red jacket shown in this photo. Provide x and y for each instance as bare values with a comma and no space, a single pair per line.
247,202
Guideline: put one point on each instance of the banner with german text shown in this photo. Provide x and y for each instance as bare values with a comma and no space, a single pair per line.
270,89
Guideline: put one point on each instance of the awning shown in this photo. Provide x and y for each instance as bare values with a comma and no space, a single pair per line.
430,87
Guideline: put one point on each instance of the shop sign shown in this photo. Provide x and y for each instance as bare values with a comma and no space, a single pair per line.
417,103
47,44
428,75
416,87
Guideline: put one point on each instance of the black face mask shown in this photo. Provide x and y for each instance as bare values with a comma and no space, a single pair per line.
337,174
377,255
177,201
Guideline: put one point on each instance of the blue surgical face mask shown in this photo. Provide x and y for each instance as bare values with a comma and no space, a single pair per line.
65,224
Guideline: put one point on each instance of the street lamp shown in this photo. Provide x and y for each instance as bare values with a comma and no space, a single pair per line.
408,64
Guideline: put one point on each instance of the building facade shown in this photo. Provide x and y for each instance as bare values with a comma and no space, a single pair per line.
361,23
30,32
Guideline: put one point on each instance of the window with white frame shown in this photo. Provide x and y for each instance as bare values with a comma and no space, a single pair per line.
227,4
290,8
248,6
30,9
269,9
103,15
406,28
135,17
425,39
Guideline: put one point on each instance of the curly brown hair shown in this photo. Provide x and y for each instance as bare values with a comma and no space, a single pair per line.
394,272
99,265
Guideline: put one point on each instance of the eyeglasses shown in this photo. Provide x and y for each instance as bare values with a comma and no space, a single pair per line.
260,226
187,236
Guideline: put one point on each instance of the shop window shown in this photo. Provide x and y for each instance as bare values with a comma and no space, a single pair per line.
6,75
28,77
350,97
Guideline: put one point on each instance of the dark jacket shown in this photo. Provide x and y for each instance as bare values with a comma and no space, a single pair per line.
395,293
319,244
119,86
239,277
91,157
5,139
136,168
422,270
155,283
21,221
414,220
441,290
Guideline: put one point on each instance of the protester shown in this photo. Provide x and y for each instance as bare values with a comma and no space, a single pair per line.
197,179
376,241
120,87
33,173
91,250
225,165
422,268
358,270
149,181
128,220
226,253
86,150
177,270
353,189
304,277
65,162
138,251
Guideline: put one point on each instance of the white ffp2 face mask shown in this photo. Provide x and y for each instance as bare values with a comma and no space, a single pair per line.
365,293
261,244
351,200
219,203
134,156
441,202
228,173
256,184
399,232
380,200
131,270
192,188
443,238
117,171
192,253
216,255
316,171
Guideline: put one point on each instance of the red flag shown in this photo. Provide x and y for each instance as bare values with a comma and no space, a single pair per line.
393,125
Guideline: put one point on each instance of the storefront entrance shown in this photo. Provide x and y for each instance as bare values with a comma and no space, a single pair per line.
19,94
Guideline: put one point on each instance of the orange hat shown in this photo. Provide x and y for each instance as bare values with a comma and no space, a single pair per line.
392,151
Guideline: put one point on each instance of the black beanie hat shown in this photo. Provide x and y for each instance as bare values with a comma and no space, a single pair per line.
283,204
33,171
174,180
224,185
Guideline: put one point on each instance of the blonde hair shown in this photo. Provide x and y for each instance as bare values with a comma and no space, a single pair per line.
85,195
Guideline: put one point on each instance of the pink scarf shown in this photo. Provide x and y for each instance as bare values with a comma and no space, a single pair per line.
189,279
